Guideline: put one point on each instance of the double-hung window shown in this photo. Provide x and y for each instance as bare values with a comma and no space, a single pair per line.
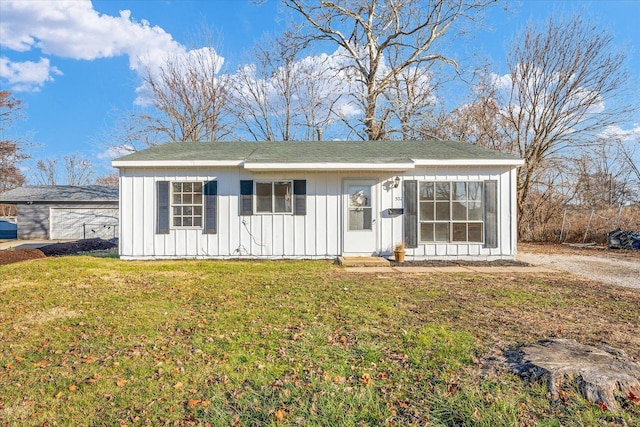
451,211
274,197
186,204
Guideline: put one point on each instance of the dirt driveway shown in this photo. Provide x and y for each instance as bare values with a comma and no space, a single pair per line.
607,266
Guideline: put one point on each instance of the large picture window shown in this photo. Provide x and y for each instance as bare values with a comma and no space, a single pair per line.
186,204
274,197
451,211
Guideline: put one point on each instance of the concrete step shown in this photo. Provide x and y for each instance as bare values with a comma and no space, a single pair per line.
363,262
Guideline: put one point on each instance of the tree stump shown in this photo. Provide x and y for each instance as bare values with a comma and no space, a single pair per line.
603,375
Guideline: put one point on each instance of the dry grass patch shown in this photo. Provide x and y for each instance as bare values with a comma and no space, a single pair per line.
55,313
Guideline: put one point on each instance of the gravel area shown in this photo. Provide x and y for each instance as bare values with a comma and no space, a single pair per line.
611,267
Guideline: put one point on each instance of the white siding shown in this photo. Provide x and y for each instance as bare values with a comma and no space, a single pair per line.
76,223
318,234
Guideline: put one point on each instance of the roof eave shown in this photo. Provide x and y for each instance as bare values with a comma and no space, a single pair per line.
266,166
173,163
468,162
328,166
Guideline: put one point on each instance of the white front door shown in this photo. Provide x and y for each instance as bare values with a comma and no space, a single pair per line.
359,217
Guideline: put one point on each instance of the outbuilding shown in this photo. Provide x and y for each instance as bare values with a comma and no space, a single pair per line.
65,212
441,199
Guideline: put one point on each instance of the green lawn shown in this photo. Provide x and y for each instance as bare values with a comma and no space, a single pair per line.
93,341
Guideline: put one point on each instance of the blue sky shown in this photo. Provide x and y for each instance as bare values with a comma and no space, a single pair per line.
75,63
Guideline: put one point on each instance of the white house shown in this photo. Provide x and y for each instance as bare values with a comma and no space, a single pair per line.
443,199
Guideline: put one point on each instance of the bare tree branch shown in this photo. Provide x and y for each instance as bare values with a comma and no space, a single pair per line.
405,30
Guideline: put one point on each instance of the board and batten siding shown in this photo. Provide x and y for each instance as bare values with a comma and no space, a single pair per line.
506,207
318,234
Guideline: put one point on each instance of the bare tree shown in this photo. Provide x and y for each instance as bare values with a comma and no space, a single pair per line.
75,171
111,180
410,100
263,92
188,99
604,176
282,96
46,172
12,149
382,40
182,99
566,85
478,122
554,190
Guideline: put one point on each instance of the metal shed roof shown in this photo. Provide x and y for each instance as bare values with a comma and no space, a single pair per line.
60,194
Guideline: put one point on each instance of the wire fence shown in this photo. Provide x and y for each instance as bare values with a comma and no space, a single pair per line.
594,225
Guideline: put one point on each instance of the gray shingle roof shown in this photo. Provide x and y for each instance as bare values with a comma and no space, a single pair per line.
60,193
375,152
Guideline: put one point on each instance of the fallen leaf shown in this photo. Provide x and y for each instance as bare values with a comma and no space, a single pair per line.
72,387
562,395
603,406
193,403
279,415
452,389
178,385
365,379
121,382
382,376
633,397
59,395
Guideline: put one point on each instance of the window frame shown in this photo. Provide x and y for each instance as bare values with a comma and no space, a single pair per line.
450,222
289,182
173,205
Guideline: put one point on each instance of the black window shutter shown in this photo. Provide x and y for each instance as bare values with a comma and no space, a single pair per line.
410,197
491,214
210,207
300,197
246,197
162,212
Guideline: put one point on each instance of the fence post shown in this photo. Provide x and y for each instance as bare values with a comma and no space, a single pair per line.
84,231
618,218
564,216
588,225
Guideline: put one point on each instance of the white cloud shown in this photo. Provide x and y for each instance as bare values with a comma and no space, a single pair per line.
501,82
28,75
616,133
116,151
75,30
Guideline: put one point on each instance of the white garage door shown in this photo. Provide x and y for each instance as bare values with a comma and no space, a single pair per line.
83,223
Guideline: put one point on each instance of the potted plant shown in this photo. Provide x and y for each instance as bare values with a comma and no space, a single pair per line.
398,252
